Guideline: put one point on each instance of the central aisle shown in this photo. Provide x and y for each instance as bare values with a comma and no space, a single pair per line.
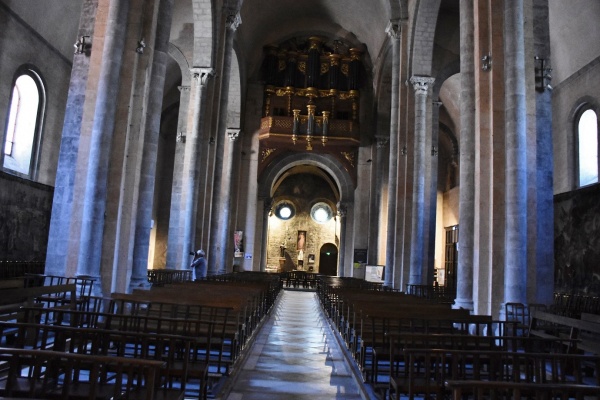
295,356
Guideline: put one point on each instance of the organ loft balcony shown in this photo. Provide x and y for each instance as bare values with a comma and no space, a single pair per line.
311,97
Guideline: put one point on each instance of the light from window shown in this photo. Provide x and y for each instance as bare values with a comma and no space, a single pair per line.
22,122
321,213
588,148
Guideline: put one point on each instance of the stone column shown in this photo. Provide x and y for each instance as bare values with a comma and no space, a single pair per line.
143,224
94,203
466,202
422,86
267,208
192,174
341,213
174,244
544,284
226,232
222,200
62,205
377,174
431,193
393,30
515,271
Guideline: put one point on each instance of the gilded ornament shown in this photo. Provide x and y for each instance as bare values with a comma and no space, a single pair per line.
266,153
349,156
324,68
302,66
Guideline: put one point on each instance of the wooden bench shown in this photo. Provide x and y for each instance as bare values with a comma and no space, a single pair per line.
520,390
43,373
544,324
426,371
185,357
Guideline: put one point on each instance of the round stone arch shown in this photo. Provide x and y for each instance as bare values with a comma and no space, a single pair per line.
324,161
345,205
423,34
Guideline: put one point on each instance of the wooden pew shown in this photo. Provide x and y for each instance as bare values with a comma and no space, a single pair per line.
185,357
43,373
545,324
427,370
520,390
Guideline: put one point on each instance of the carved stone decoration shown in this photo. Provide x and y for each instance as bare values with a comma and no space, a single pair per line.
422,84
342,210
393,29
233,21
233,133
381,141
202,74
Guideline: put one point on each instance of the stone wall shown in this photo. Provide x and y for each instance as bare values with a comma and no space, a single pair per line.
24,218
577,241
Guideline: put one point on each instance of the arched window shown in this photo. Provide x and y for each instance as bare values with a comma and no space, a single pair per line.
24,124
587,147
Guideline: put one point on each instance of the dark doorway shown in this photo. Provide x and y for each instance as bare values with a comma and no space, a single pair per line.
328,259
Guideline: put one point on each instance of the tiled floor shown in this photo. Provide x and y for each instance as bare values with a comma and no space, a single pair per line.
295,356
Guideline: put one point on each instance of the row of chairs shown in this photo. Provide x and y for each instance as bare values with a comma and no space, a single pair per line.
197,329
410,346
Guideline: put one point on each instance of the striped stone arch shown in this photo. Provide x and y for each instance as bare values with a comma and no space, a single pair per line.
423,34
323,161
177,55
204,30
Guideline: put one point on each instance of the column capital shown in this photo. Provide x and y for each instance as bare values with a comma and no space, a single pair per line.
233,20
183,88
233,133
382,141
393,29
267,205
437,103
202,74
342,210
422,84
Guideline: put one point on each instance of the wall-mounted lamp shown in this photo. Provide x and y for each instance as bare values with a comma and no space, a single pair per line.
141,46
82,45
180,137
434,151
211,140
486,62
542,75
403,151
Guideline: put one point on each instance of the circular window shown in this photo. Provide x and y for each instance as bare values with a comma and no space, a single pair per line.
284,210
321,213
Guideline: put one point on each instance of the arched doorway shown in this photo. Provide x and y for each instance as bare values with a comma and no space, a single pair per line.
328,259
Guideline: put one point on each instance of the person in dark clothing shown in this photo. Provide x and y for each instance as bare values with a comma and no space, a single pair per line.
199,265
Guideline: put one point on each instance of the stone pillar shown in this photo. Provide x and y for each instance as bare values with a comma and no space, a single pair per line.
431,194
377,174
393,30
143,224
225,231
62,205
544,284
222,201
94,203
466,202
515,271
267,208
191,167
174,244
341,213
422,86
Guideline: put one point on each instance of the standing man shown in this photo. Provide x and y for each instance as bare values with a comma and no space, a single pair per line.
199,265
